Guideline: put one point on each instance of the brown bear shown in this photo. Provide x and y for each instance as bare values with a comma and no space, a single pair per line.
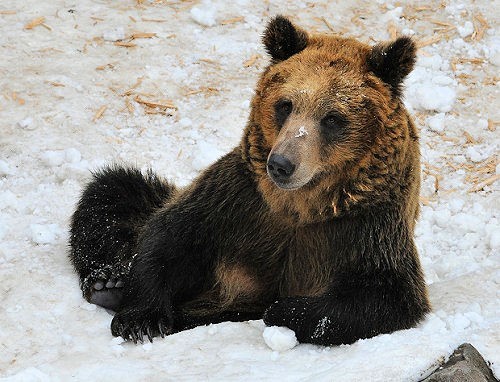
308,223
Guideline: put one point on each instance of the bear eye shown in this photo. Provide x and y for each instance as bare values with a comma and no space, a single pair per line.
282,109
333,121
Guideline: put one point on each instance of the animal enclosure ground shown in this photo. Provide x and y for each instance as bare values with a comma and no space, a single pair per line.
167,85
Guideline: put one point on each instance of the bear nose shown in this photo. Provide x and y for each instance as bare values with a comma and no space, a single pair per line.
279,167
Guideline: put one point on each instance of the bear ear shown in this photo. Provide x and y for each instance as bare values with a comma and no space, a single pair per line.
282,39
393,61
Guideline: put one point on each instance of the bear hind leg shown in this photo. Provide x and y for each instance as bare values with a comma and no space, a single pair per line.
105,227
104,286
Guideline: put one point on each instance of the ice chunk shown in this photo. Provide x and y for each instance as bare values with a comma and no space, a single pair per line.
204,14
433,97
466,30
72,155
5,168
44,233
26,123
52,158
436,122
475,155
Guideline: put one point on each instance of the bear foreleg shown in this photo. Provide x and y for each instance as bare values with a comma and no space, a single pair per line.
359,308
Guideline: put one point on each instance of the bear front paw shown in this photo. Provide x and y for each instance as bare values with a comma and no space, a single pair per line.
134,325
289,312
310,319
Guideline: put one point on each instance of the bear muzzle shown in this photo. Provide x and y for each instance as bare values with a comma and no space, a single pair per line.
293,161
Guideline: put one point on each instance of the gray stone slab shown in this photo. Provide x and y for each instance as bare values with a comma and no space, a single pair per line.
464,365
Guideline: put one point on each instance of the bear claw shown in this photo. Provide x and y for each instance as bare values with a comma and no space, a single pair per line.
136,327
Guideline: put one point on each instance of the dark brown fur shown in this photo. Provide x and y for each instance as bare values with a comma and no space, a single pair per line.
332,256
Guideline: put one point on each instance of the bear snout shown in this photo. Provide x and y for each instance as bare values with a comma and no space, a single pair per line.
280,168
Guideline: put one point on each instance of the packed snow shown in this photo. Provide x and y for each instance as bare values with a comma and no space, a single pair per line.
167,85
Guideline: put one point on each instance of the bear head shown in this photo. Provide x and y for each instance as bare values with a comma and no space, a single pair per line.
327,120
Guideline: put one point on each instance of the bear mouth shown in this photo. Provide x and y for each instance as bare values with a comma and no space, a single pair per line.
291,184
287,186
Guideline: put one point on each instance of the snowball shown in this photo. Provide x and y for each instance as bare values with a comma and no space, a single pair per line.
432,97
279,338
442,79
458,322
117,341
482,123
392,15
474,317
26,123
432,62
116,34
442,218
5,168
72,155
467,222
53,158
458,43
466,30
434,324
204,14
474,154
44,233
436,122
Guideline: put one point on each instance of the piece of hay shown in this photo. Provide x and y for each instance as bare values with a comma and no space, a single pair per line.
480,185
99,113
35,22
125,44
136,35
233,20
204,89
163,104
428,41
252,60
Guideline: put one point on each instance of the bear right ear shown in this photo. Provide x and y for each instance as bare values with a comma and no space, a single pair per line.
393,61
282,39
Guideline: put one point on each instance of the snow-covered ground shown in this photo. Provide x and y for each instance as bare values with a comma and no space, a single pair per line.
74,93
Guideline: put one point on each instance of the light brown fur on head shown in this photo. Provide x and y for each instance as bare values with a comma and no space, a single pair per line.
370,155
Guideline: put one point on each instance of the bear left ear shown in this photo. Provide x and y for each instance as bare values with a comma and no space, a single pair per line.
282,39
393,61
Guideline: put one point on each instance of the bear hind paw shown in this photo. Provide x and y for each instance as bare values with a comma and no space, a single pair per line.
104,287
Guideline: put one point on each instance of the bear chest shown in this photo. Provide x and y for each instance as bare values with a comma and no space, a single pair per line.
308,263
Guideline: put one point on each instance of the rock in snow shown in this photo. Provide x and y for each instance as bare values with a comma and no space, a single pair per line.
464,365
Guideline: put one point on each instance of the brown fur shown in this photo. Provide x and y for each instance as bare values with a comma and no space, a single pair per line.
236,283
